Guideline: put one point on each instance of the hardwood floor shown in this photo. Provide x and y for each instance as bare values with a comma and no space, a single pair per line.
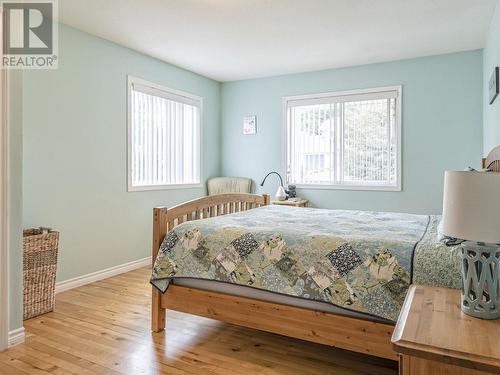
103,328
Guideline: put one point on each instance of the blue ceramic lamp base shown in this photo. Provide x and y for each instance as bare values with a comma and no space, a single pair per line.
480,280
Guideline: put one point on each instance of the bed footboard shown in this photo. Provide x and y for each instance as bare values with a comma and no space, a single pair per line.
165,219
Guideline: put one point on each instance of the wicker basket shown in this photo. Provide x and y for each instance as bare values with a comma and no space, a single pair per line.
39,270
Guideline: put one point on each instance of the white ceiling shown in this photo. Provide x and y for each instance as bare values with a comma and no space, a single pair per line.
238,39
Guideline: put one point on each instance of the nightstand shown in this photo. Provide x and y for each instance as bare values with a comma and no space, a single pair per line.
301,203
433,336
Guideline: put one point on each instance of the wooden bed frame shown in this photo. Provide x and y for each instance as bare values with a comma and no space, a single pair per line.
492,161
355,334
344,332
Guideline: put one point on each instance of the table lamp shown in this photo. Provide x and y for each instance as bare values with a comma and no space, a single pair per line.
471,212
280,193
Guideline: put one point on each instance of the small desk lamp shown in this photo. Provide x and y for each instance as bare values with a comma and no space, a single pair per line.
280,193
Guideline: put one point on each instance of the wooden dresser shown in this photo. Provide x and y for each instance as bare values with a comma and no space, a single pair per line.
433,336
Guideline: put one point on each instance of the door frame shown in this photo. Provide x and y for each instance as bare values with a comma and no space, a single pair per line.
4,204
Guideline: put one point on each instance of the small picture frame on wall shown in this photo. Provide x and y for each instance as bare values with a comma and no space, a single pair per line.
249,125
494,85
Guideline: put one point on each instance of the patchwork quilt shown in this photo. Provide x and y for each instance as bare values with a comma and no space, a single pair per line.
357,260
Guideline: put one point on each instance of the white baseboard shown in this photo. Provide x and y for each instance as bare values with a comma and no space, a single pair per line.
100,275
16,337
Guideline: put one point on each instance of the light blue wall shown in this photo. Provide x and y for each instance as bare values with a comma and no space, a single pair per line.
442,126
491,59
75,143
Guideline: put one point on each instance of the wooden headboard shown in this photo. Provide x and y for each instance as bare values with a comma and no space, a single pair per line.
492,161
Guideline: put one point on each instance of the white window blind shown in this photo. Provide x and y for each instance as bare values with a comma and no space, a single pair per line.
344,140
164,137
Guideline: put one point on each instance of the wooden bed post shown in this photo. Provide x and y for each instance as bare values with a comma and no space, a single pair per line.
160,228
165,220
267,199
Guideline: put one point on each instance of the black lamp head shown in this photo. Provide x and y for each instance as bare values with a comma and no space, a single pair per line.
276,173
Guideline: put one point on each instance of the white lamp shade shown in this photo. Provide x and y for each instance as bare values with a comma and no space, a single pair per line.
471,206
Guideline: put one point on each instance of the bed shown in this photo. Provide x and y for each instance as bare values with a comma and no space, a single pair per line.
334,277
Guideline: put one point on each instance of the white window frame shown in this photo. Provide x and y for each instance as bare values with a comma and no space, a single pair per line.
131,80
347,186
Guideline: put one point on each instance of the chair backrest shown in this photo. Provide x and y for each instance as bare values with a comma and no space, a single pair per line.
227,185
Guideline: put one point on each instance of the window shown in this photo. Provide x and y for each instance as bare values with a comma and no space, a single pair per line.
315,162
164,137
347,140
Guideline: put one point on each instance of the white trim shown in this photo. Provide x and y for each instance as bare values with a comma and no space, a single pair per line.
16,337
344,93
342,97
139,81
399,132
103,274
347,187
4,201
310,98
131,80
169,94
164,187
